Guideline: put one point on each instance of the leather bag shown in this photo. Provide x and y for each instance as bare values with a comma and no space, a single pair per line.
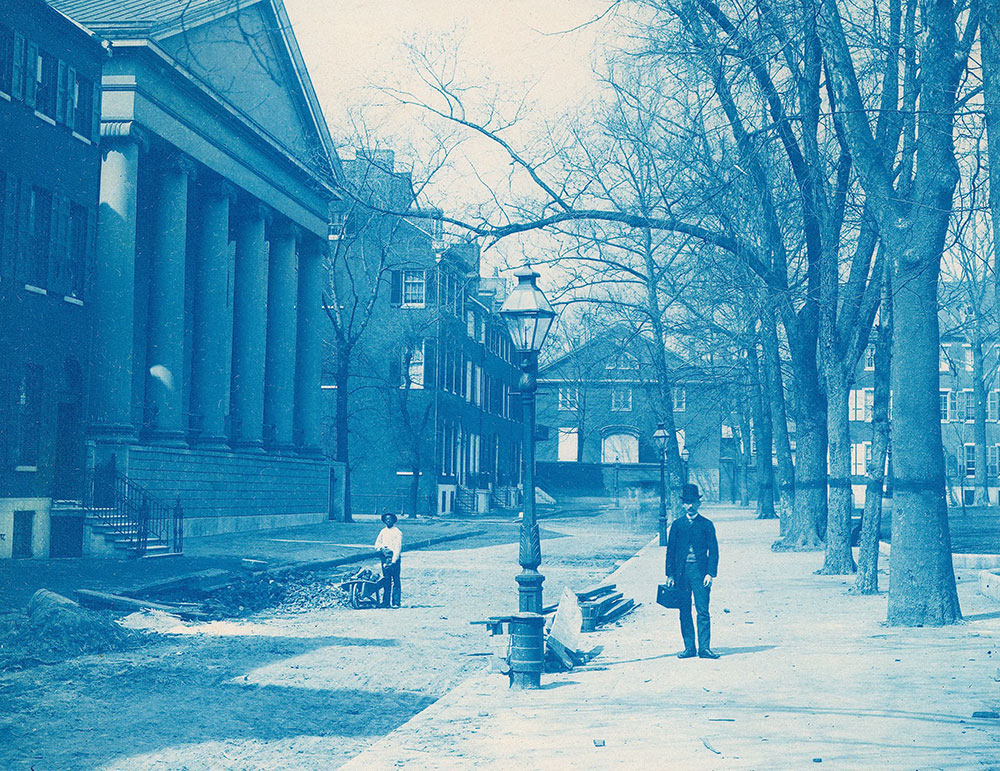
671,596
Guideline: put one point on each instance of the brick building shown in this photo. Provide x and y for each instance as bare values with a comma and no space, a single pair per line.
599,410
433,424
50,74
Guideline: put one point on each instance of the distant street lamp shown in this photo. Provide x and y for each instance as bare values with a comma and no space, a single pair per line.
529,317
660,436
685,457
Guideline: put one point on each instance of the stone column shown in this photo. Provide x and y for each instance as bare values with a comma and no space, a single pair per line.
113,290
309,350
212,334
249,328
279,373
165,331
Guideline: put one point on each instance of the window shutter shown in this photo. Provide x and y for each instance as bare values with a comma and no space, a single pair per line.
396,295
26,242
430,363
71,98
88,267
53,262
61,93
18,78
31,74
95,121
8,249
430,286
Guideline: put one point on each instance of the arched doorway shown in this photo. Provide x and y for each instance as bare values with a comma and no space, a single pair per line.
620,448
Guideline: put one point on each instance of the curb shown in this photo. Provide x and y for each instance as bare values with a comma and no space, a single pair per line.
971,561
202,579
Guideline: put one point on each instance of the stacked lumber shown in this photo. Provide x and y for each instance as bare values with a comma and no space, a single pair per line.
602,605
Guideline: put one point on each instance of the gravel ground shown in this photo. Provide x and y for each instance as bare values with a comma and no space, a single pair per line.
292,686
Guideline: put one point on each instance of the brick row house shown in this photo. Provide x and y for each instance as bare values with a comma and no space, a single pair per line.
50,74
434,422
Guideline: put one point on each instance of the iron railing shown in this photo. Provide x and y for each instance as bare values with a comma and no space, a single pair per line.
138,519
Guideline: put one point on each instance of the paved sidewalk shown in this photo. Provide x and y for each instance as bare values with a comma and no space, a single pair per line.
810,677
19,579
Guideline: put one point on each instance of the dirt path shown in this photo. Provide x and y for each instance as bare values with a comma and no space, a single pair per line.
290,690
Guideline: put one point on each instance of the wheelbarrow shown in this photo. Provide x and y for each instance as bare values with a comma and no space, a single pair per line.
363,589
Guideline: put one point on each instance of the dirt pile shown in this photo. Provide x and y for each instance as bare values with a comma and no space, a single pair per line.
55,628
290,592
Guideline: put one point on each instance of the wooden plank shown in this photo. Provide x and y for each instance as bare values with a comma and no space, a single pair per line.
606,603
94,599
593,594
561,652
619,610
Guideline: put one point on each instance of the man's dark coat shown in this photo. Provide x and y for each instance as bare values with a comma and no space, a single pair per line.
700,534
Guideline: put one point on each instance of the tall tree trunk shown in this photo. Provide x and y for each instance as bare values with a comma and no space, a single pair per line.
990,49
922,584
775,391
871,520
745,454
764,439
342,380
980,483
838,559
808,521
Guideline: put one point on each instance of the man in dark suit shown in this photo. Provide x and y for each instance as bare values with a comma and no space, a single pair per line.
692,563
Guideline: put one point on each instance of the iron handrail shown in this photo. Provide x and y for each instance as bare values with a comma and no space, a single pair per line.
136,515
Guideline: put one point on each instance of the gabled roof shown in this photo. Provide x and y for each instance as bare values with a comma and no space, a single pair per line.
164,21
145,16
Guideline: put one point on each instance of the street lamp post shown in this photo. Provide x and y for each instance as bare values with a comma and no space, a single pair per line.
528,316
660,437
685,457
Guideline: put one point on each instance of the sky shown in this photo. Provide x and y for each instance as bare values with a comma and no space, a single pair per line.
542,52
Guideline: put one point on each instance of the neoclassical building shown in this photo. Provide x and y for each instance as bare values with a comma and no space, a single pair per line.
217,177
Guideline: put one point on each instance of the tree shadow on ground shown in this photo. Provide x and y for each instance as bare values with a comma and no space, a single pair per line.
178,694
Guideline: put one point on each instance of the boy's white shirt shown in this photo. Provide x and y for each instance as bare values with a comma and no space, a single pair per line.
390,538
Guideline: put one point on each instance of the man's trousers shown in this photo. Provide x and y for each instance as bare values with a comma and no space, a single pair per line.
694,582
390,584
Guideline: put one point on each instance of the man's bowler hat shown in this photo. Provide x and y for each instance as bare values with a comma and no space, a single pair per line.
690,494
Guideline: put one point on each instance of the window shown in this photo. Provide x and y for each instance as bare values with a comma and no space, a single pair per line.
870,358
29,416
6,60
993,405
621,399
943,360
861,453
46,75
967,405
993,461
569,442
77,249
41,231
680,398
413,368
970,460
947,405
413,288
470,324
967,354
624,362
859,404
569,398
